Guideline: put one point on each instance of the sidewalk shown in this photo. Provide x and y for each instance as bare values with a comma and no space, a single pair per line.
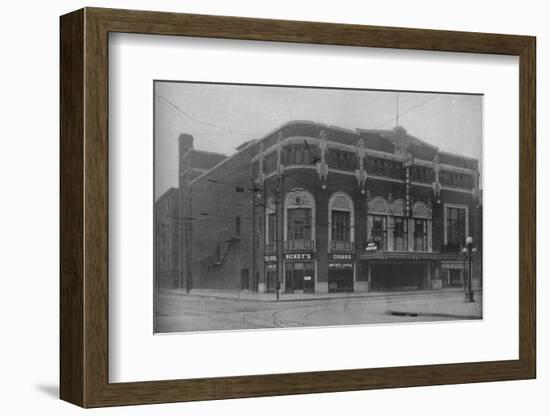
440,308
247,295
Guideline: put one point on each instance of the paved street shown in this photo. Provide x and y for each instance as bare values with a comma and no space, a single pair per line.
179,312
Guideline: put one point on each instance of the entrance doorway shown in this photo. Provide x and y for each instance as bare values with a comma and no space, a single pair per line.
398,276
300,277
244,279
271,281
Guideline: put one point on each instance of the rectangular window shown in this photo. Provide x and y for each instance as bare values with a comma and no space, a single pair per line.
400,234
164,262
237,226
164,240
340,226
288,155
270,162
378,231
308,154
342,160
456,227
299,154
420,234
299,224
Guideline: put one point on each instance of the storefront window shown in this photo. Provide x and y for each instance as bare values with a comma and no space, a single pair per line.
400,234
420,234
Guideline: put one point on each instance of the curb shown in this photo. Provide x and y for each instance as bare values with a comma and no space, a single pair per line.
433,315
358,296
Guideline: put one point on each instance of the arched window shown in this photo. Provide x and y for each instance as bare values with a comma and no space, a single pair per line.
377,221
420,209
398,208
378,205
299,219
341,222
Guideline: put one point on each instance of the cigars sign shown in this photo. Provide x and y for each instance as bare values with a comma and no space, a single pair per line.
341,257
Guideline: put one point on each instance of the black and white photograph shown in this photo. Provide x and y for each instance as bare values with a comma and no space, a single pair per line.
297,206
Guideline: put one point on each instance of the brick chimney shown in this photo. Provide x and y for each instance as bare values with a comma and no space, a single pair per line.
185,142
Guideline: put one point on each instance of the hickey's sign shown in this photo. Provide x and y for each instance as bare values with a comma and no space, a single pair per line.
298,256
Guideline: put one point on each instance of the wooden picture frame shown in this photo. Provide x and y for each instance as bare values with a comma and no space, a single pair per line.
84,207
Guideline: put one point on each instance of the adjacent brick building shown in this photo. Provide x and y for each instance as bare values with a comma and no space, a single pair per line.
167,245
321,209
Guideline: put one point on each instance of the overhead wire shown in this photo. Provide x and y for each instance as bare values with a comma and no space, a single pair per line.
206,123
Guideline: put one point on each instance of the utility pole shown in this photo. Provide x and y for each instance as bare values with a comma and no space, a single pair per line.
279,225
182,236
188,236
156,261
189,280
254,283
397,110
276,203
469,249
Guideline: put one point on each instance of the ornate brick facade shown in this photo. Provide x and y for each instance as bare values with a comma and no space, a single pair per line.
318,208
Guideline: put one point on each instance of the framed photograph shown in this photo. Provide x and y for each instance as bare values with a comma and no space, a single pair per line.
255,207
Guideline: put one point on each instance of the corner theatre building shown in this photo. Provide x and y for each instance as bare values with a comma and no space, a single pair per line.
311,208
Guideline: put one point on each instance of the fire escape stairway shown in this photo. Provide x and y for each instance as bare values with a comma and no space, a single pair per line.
222,249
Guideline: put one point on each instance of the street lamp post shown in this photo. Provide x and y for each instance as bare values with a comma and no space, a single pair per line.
469,293
464,272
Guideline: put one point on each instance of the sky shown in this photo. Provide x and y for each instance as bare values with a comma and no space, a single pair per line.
222,116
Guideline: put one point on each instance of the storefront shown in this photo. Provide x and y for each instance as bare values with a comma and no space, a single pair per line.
340,272
299,273
397,275
452,273
270,262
